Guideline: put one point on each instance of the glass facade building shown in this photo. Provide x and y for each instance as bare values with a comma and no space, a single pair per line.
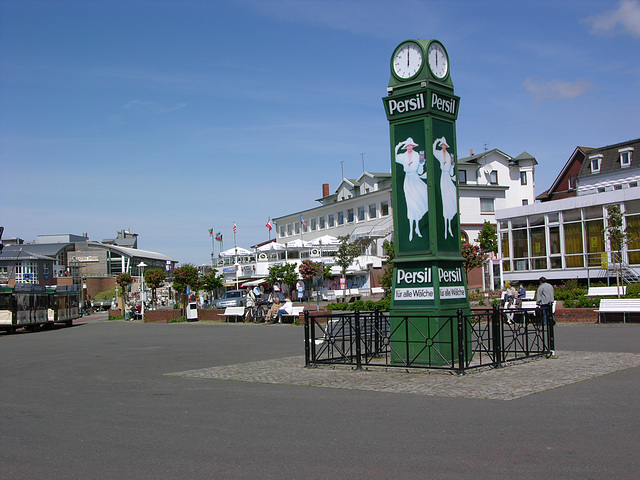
567,238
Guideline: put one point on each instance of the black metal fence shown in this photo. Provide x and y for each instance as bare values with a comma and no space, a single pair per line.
460,342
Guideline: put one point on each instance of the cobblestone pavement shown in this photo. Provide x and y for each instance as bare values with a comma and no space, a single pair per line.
515,380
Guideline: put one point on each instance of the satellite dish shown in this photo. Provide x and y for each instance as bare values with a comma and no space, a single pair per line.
487,169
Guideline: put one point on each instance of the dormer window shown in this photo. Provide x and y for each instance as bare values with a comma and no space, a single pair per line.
493,177
595,163
625,157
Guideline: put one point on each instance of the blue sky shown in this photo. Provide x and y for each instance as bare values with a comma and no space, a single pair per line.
172,117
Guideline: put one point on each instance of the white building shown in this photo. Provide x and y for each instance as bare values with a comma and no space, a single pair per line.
362,209
492,181
566,238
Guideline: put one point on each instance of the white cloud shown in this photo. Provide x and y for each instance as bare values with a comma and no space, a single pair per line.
540,90
624,19
155,107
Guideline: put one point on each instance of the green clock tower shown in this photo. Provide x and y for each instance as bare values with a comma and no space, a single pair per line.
429,283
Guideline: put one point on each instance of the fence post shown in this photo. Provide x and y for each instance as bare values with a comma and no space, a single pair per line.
358,347
461,343
377,326
551,321
496,333
307,340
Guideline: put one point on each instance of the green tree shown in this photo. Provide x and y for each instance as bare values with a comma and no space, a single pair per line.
386,280
346,254
488,238
154,277
284,274
212,282
617,236
310,270
186,275
124,280
473,256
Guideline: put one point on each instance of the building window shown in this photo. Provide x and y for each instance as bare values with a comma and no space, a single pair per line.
525,202
340,218
572,182
350,217
384,209
323,223
487,205
633,184
373,211
331,220
361,214
289,229
297,228
595,163
493,177
314,224
462,176
625,157
523,178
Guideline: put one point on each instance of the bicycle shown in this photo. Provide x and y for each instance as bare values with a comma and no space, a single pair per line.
260,312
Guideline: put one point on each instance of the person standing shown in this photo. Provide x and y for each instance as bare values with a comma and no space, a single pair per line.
251,304
545,298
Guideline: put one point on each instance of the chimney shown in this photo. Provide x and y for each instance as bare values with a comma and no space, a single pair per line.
471,152
325,190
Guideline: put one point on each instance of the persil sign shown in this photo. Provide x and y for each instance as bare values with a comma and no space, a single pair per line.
420,103
406,105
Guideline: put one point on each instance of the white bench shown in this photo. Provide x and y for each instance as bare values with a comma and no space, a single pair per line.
606,291
291,317
532,304
234,313
619,305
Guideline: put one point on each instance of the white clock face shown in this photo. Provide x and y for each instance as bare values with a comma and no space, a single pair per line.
438,61
407,60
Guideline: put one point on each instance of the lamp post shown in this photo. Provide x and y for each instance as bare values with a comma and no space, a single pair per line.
141,266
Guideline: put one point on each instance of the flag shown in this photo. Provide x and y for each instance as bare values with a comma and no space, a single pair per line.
219,236
235,229
211,231
269,224
302,221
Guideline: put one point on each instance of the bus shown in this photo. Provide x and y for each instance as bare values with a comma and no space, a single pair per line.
32,306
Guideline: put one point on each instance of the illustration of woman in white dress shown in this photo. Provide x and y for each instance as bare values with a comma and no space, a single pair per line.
447,183
415,189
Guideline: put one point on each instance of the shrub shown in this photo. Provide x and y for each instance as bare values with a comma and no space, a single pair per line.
582,302
367,306
633,290
569,291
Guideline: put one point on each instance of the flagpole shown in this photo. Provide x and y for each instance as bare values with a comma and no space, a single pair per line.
213,249
235,248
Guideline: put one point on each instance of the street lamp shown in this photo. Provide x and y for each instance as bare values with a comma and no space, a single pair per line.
141,266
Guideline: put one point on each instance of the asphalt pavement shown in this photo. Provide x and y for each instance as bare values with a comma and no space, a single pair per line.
127,400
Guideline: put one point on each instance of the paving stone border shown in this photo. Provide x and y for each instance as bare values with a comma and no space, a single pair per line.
515,380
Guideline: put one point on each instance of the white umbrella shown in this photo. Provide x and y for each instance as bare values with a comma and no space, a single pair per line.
272,247
298,244
235,251
325,240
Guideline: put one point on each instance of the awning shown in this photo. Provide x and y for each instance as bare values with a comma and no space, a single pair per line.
253,283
